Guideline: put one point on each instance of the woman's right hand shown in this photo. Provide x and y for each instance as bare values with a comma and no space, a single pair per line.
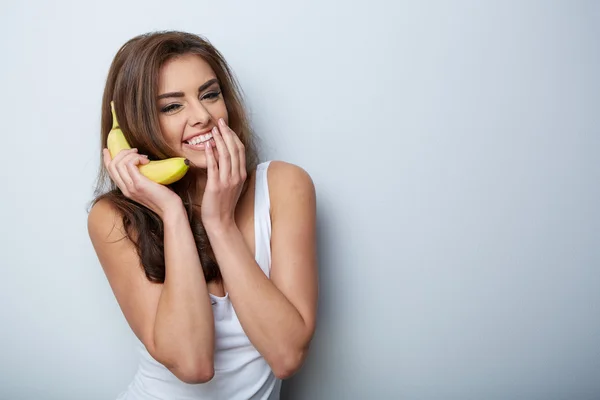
124,172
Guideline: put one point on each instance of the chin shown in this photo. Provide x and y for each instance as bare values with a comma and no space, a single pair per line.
197,162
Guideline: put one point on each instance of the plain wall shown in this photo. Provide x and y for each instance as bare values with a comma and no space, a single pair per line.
455,151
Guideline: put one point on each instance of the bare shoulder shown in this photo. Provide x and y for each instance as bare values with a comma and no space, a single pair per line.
136,295
289,181
104,222
113,246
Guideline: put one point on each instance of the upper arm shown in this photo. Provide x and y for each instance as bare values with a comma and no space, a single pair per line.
293,238
136,295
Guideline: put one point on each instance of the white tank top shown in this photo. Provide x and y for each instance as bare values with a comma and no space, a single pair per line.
240,370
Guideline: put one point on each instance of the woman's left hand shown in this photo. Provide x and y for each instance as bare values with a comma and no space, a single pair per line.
226,177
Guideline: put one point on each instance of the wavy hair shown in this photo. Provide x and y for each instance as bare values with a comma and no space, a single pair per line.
132,84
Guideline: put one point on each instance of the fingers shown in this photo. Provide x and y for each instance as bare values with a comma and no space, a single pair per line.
224,156
106,157
228,137
132,168
212,170
123,169
237,152
241,149
112,168
242,155
129,186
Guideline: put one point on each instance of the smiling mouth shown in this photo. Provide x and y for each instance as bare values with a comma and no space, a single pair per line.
198,143
200,139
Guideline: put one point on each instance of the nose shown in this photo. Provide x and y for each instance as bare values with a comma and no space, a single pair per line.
198,114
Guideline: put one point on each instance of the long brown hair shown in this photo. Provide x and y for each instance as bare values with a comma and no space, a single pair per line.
132,84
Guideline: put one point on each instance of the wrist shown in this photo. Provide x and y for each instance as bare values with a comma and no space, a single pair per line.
173,212
222,228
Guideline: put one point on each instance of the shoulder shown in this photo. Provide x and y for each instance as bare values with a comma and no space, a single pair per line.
289,185
284,176
105,222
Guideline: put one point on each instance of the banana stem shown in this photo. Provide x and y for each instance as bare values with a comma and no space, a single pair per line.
114,115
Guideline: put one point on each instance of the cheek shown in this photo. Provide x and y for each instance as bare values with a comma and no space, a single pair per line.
171,129
220,111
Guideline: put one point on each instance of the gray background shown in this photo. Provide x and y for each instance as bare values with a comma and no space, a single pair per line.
454,147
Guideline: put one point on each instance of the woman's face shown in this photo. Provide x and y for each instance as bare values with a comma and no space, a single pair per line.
190,104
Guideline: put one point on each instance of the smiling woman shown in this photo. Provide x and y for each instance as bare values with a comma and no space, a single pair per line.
216,274
202,96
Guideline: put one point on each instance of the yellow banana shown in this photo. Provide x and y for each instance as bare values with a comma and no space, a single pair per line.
164,172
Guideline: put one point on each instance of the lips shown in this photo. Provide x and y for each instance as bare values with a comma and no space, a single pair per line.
199,139
200,145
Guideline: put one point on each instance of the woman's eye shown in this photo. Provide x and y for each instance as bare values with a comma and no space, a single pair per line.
211,95
170,108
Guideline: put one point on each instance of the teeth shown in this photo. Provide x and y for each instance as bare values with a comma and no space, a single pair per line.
201,138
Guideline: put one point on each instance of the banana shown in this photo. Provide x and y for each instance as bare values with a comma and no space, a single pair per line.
164,172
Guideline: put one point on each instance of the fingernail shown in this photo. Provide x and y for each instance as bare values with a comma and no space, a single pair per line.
222,121
145,155
215,130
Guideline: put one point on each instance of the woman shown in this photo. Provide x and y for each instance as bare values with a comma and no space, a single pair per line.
216,274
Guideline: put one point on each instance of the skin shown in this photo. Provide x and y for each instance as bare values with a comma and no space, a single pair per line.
174,320
187,111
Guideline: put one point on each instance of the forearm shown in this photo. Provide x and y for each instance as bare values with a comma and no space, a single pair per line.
184,325
274,326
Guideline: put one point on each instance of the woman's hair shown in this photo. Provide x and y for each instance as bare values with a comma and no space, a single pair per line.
132,84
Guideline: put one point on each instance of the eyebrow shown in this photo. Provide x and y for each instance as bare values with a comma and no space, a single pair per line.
202,87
